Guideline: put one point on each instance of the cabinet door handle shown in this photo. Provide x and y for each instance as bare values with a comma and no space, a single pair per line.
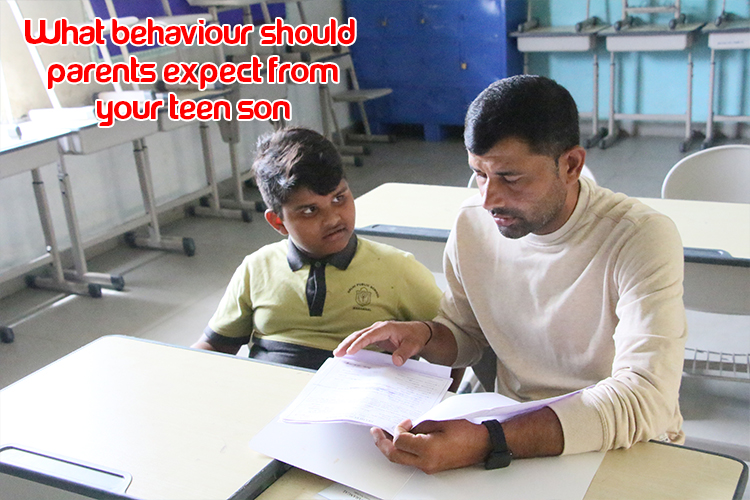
464,65
384,22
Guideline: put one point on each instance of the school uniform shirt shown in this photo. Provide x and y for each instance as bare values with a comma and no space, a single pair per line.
596,305
274,295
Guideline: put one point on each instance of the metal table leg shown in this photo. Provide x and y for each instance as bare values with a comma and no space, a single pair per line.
612,126
690,134
58,281
709,141
81,272
597,133
154,239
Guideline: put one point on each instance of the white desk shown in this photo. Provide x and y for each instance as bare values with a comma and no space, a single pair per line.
29,155
178,420
427,211
648,470
729,35
567,39
418,218
650,38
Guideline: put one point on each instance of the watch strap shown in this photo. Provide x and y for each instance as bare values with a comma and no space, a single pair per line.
500,456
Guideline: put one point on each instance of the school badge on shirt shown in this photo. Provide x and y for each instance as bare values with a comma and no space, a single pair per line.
363,294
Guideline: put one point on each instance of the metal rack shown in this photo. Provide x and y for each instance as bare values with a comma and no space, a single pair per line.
719,365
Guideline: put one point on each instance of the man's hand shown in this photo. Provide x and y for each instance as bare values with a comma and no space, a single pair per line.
435,446
403,339
433,341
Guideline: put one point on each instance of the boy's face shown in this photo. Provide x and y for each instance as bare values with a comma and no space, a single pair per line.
318,225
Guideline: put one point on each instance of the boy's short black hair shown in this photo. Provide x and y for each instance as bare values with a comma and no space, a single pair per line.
294,158
534,109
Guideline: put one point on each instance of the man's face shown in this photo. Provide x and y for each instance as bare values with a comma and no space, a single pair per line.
526,192
318,225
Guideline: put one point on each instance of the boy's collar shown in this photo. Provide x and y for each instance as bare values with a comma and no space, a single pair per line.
297,258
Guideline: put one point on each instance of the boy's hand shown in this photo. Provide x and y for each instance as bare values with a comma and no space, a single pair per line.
435,446
403,339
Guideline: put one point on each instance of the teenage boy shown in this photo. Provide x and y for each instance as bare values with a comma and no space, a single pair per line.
297,299
577,290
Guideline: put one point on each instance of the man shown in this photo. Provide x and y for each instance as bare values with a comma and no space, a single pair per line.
575,288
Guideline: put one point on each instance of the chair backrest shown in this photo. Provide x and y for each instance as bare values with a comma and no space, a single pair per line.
715,174
586,172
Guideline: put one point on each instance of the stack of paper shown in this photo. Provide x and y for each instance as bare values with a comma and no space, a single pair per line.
346,454
368,389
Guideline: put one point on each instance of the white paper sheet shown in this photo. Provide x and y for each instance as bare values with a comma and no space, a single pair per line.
478,407
346,454
369,390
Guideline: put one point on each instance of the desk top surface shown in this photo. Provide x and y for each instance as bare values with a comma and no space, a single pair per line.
648,470
178,420
556,31
702,224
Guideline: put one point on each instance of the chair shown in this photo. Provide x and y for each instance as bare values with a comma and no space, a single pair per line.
719,174
715,174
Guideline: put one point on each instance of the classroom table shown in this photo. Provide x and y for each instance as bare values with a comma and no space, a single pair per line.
579,38
179,421
650,38
716,236
731,34
19,155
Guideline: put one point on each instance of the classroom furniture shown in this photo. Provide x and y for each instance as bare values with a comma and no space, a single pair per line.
89,138
436,55
73,122
647,470
418,218
673,8
211,203
353,95
153,411
422,212
177,420
153,239
726,33
581,37
719,174
630,34
18,157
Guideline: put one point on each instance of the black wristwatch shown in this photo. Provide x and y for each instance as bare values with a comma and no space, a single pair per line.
500,456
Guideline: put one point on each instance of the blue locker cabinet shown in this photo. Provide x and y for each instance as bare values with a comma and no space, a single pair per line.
436,55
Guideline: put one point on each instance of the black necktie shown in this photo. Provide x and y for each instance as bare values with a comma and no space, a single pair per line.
316,287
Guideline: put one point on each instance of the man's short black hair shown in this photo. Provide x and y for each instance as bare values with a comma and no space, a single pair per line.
295,158
532,108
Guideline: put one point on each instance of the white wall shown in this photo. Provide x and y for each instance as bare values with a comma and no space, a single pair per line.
105,184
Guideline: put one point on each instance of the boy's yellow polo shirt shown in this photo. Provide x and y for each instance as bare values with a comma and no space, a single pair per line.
266,298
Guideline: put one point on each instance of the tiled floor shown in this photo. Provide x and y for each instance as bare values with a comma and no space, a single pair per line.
169,297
